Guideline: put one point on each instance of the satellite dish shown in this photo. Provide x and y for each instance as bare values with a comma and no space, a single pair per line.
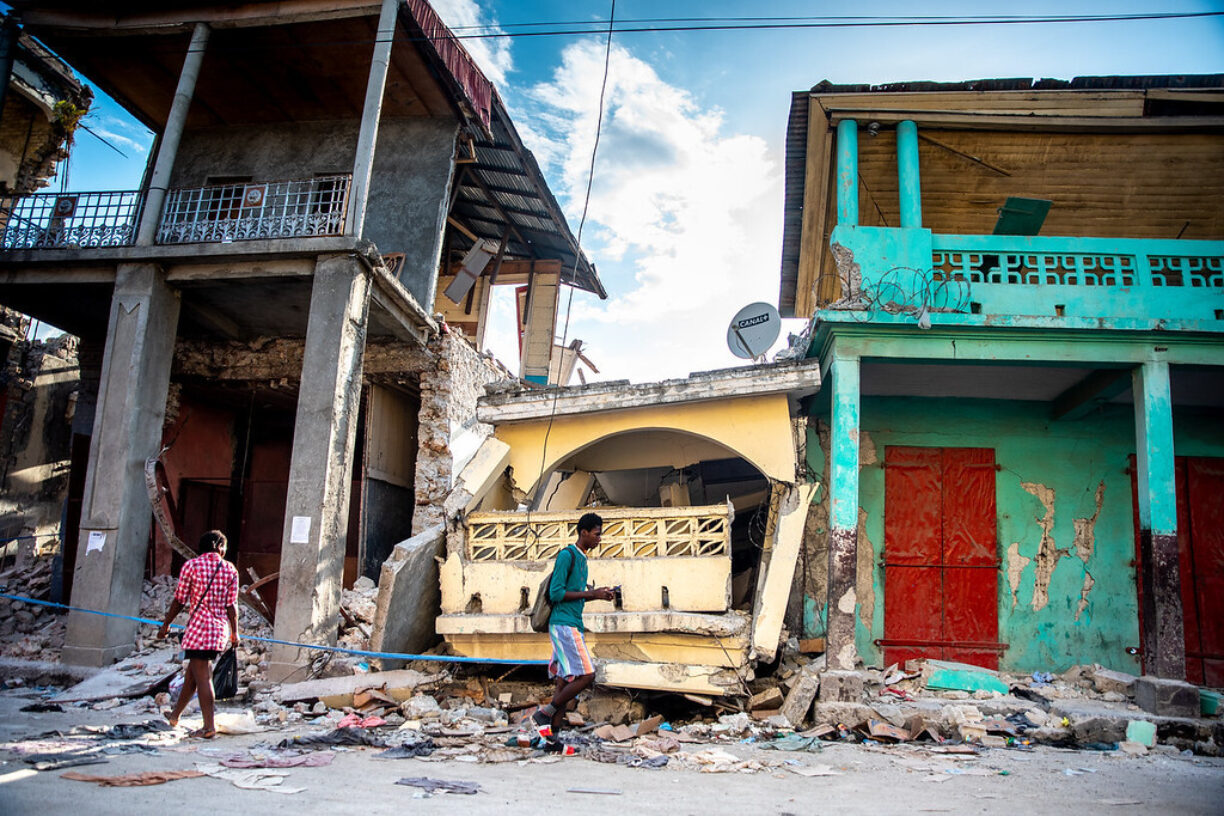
753,330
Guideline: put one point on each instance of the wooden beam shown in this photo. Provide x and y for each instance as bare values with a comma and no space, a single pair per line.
812,238
962,120
509,224
454,222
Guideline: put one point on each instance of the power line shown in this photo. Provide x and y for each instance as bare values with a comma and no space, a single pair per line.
696,24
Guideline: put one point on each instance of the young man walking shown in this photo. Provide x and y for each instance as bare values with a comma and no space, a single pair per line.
571,664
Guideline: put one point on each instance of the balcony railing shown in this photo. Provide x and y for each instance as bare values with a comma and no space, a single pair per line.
251,211
69,220
1078,261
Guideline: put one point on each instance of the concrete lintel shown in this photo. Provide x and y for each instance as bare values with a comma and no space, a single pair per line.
401,308
708,680
972,341
13,276
729,383
693,623
18,260
780,572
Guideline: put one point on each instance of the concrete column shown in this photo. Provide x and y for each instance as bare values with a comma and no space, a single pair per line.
847,173
363,163
843,513
1163,636
320,470
910,188
167,149
127,429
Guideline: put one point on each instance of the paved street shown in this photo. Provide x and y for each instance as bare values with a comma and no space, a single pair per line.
867,780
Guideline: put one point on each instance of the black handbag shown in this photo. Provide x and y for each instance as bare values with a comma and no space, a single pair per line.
225,674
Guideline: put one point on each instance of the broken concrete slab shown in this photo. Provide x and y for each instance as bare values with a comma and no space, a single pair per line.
1170,698
963,677
338,692
1142,732
841,687
1106,680
44,672
132,677
775,589
799,701
408,597
769,698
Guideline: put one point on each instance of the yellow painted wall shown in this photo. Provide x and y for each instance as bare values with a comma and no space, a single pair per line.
755,428
701,584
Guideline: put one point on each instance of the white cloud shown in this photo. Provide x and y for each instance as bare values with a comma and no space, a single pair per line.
684,221
492,55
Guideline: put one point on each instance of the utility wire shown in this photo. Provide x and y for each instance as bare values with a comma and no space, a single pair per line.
578,29
586,203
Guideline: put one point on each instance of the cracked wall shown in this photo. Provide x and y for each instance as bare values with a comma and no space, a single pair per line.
1066,584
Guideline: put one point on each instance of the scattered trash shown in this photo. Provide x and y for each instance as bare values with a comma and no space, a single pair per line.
432,786
132,780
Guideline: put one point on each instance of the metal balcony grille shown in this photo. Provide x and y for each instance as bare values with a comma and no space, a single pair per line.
251,211
69,220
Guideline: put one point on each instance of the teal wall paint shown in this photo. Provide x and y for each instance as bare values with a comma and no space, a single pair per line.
1071,459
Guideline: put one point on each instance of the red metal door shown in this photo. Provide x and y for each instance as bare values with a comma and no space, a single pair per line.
940,555
1200,542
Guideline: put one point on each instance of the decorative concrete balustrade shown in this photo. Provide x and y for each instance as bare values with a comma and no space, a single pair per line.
662,532
1116,279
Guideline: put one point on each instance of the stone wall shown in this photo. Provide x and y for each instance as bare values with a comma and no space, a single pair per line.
449,432
41,381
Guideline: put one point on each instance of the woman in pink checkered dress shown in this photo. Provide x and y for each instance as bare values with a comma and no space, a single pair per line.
208,585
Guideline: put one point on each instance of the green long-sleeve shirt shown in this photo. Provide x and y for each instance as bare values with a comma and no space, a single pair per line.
569,575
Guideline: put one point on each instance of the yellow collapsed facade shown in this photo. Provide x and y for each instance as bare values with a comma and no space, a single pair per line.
700,488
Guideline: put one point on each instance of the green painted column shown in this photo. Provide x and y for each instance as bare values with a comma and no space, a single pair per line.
1163,637
847,173
843,512
908,180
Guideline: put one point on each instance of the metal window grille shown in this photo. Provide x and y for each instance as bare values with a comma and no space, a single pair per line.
255,210
69,220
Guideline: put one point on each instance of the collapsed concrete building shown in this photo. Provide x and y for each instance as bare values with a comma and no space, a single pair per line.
260,350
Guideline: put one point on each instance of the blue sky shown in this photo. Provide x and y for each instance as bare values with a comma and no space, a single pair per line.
685,218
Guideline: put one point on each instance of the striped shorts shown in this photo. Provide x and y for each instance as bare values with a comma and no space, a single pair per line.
570,657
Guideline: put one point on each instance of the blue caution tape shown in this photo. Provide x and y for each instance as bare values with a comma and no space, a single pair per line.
314,647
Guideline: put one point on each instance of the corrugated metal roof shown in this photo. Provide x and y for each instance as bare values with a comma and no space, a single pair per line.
517,195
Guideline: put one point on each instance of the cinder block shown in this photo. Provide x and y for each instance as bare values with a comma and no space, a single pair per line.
1168,698
841,687
799,700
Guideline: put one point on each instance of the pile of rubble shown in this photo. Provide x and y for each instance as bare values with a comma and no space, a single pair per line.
931,700
29,631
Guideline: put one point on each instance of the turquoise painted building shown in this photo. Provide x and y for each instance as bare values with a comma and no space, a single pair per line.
1016,292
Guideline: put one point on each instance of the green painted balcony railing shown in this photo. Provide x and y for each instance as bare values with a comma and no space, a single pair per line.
1138,279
